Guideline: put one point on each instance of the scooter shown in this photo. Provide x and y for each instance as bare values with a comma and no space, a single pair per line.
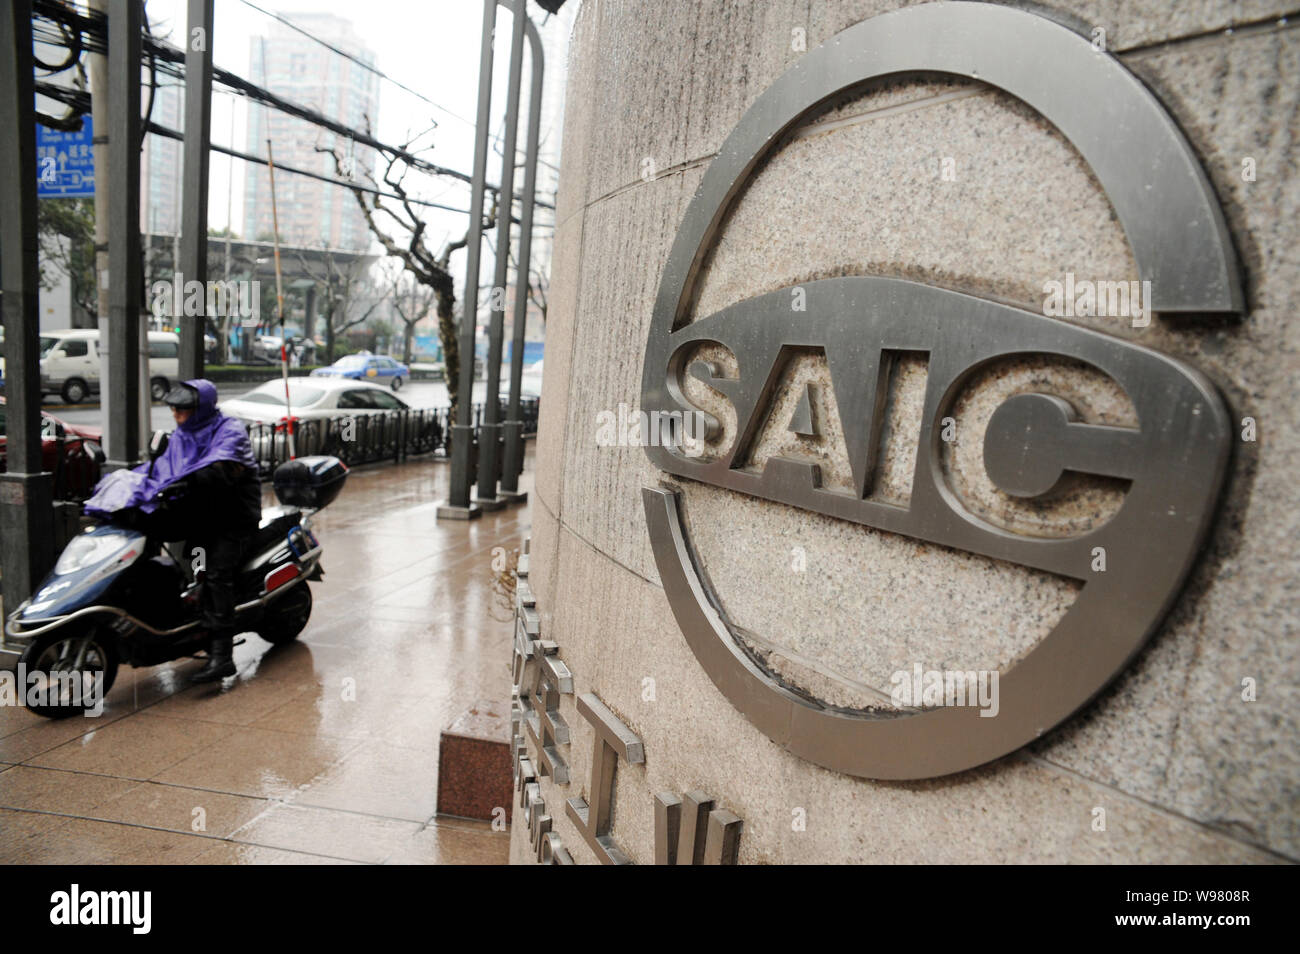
117,595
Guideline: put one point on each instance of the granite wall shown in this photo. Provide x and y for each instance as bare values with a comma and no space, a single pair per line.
946,181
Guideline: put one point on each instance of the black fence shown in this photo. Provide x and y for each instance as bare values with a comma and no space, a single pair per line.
368,437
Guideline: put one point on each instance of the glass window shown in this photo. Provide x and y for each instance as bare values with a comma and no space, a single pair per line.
163,349
302,395
75,348
355,401
386,401
47,345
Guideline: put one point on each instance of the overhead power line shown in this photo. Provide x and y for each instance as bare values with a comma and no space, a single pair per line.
170,61
353,58
81,100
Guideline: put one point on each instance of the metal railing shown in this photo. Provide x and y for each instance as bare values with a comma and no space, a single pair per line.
365,437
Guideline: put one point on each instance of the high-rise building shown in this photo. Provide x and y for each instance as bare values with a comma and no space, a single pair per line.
160,164
311,213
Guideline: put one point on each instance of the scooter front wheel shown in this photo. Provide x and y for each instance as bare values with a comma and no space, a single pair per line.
67,672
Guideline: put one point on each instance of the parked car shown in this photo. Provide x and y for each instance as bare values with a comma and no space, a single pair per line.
313,401
265,349
70,363
70,452
366,367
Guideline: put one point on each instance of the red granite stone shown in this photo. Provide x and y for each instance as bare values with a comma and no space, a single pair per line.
474,768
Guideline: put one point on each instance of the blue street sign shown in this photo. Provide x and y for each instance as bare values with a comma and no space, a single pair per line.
65,162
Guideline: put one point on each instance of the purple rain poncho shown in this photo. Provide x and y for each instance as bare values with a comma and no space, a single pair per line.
206,437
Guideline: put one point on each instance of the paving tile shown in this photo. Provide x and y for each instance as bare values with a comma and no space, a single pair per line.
378,779
234,853
180,809
369,715
338,834
258,763
24,835
58,791
240,701
80,841
443,844
35,734
138,747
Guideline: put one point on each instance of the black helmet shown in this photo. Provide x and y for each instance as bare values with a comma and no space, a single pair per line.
182,396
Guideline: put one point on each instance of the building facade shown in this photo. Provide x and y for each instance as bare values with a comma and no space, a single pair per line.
311,213
876,251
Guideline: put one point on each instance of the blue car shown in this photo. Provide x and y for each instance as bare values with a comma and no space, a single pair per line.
376,369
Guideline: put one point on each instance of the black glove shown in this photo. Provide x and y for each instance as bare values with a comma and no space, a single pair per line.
172,492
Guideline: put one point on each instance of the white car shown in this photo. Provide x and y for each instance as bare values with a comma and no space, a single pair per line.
311,398
331,413
70,363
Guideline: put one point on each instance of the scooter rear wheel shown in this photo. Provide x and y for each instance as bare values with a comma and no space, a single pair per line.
55,687
287,616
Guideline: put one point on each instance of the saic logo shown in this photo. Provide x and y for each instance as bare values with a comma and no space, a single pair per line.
1173,462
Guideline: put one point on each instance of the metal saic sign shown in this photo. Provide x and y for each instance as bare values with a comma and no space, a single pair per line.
1173,461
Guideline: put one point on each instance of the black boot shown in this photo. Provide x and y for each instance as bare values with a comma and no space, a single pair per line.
220,664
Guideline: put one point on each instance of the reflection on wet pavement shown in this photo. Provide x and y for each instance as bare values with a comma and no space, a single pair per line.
324,751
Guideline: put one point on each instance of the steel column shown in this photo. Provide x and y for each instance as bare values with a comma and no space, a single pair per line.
125,277
26,494
194,202
514,426
489,456
458,504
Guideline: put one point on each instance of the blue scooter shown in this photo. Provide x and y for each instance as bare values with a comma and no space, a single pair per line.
117,595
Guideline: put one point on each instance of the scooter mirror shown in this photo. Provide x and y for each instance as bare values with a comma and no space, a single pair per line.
157,445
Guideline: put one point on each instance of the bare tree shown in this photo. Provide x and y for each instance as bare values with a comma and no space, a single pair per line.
340,282
539,284
412,302
397,225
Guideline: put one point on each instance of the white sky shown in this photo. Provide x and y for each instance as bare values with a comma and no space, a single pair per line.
432,46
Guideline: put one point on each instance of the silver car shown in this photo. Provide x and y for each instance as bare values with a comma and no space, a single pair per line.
331,416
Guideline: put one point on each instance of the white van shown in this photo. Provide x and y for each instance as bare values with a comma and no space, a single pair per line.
70,363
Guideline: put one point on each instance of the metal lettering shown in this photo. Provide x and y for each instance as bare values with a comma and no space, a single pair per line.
613,740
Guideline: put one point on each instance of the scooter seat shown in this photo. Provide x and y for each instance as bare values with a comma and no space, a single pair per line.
276,524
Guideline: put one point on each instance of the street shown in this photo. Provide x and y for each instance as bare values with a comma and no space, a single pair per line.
420,394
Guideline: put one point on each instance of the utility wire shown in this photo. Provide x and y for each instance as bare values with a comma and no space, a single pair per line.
79,100
357,60
170,61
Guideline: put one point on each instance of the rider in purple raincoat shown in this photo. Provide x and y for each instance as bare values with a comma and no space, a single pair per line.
209,476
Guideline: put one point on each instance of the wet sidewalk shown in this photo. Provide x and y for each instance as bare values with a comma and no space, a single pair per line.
323,751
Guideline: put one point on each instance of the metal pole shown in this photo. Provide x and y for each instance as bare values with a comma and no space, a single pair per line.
124,268
489,454
26,494
458,505
98,71
194,208
279,302
514,426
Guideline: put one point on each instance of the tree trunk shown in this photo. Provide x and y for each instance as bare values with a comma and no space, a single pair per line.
223,340
447,336
329,333
408,336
